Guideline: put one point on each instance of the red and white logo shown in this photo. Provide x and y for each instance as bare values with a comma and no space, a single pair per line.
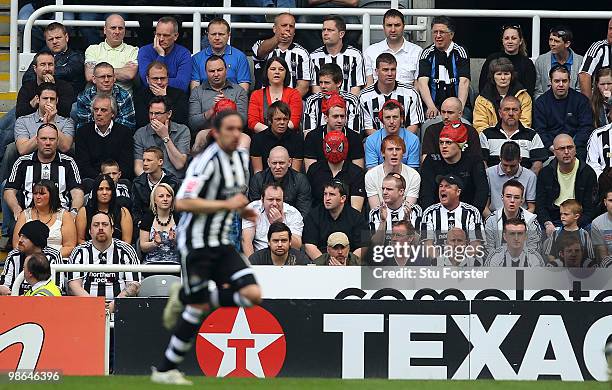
239,342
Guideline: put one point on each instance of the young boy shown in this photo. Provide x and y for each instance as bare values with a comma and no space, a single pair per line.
570,211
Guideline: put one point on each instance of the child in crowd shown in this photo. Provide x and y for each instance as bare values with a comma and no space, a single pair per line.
570,211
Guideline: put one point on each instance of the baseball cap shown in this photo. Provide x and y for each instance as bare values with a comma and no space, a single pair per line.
450,179
455,131
337,238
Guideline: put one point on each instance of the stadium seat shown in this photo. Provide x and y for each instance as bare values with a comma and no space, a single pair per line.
157,285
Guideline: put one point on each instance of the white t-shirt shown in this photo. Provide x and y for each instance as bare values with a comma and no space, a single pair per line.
374,178
292,218
407,60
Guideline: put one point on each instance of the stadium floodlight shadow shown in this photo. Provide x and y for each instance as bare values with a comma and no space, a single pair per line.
157,285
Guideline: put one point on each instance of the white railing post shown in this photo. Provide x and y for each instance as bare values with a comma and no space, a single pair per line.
59,16
13,49
535,37
107,326
365,35
227,4
197,32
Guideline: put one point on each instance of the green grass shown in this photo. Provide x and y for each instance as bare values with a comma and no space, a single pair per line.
142,382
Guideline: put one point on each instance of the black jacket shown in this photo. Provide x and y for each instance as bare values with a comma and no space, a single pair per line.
141,193
548,189
295,185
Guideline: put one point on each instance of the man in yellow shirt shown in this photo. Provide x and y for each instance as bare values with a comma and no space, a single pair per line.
37,273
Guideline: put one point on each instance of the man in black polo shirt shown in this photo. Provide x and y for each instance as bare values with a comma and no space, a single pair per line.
335,166
296,189
334,215
451,160
44,163
277,134
334,109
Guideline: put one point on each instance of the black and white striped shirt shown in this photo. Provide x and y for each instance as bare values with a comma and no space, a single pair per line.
296,56
599,153
532,148
213,175
104,284
502,258
28,170
314,118
372,100
598,56
13,266
416,214
349,59
438,220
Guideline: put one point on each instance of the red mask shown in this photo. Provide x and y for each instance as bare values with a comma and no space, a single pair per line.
335,147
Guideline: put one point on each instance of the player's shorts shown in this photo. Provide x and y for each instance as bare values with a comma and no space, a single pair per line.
222,264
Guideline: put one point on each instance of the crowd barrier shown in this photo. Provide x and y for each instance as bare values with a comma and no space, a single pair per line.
366,26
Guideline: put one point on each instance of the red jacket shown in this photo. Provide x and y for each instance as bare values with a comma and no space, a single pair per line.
290,96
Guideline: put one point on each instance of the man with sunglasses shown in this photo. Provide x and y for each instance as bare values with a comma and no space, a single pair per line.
560,39
566,177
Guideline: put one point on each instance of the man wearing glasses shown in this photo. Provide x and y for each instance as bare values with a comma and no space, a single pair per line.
444,68
104,78
561,110
158,85
512,198
171,137
559,40
566,177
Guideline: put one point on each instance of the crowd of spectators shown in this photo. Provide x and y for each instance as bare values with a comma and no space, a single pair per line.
349,150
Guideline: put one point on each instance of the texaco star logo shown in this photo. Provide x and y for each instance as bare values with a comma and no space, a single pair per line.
236,342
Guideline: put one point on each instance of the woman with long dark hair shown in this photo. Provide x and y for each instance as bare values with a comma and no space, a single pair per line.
276,79
46,207
502,82
104,199
601,102
514,49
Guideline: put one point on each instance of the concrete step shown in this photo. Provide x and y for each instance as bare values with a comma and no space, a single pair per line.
4,61
7,100
5,21
5,41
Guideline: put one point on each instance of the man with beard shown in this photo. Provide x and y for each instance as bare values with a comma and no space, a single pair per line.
279,251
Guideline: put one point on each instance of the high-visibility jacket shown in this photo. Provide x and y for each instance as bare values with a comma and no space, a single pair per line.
48,289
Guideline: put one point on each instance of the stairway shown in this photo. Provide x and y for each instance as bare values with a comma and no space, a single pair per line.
7,99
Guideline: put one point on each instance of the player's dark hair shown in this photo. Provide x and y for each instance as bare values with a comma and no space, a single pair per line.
271,185
338,185
514,222
387,58
161,99
46,87
215,57
266,82
513,183
220,118
277,106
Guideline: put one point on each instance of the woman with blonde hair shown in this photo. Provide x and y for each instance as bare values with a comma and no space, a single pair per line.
158,227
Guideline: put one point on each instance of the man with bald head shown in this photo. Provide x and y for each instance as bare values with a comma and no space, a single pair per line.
123,57
295,185
566,177
450,111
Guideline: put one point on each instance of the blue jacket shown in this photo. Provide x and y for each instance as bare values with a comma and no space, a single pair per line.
571,115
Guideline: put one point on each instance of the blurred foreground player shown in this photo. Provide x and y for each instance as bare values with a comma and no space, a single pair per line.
214,186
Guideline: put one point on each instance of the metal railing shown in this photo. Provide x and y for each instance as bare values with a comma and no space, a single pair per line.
55,268
227,10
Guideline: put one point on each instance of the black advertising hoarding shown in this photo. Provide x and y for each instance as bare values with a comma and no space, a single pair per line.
379,338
